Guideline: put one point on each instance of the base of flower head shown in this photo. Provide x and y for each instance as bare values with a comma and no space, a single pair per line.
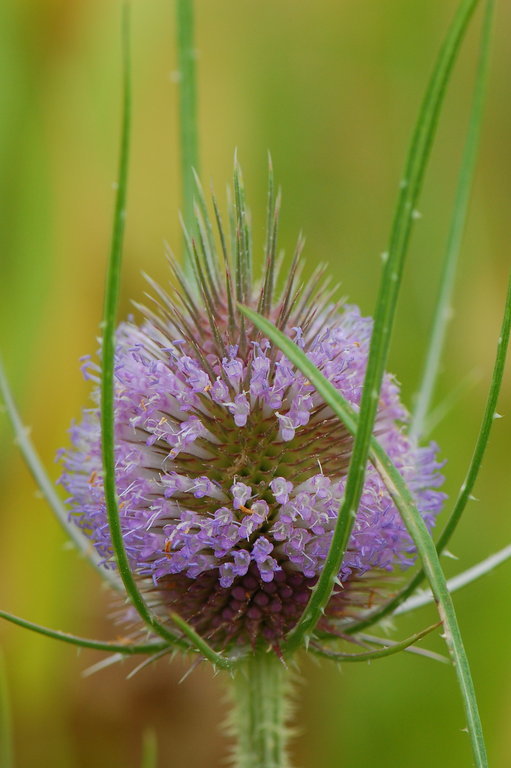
254,612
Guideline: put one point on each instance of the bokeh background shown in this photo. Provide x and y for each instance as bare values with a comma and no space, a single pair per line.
332,89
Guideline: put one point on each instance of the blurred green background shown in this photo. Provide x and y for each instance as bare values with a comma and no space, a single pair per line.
332,88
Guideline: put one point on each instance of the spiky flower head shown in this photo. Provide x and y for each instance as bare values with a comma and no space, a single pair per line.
230,468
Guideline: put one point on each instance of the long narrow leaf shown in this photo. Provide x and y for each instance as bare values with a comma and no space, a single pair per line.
385,311
127,648
107,381
411,649
411,518
189,152
458,582
442,312
46,486
375,653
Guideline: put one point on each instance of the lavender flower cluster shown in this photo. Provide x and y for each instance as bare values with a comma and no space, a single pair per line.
230,468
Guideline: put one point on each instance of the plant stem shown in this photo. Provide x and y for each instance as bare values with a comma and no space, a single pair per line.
189,153
442,312
260,686
6,747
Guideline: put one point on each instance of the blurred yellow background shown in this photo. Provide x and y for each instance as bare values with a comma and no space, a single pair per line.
331,88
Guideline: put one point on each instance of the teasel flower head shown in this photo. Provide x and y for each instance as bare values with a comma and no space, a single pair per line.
230,468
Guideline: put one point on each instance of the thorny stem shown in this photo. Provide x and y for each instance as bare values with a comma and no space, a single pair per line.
108,347
258,719
468,484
